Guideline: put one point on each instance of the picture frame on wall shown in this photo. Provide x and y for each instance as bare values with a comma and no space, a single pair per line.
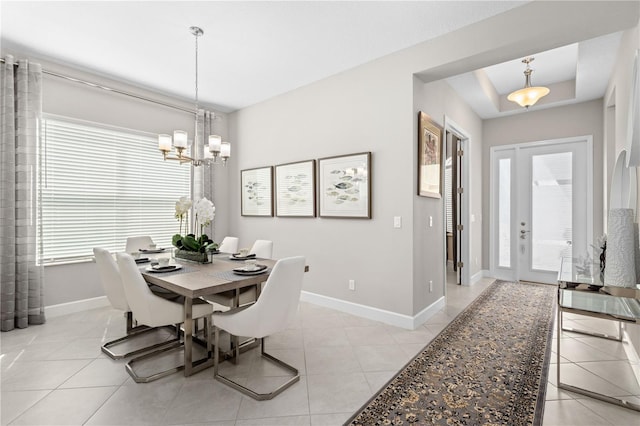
256,192
429,157
344,186
295,189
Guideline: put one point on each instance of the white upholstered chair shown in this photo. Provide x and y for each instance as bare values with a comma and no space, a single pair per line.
154,311
273,311
243,296
136,243
114,290
262,248
228,245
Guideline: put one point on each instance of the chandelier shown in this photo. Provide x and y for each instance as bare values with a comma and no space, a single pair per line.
216,148
528,96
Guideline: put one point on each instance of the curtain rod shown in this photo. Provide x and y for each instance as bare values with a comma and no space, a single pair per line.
110,89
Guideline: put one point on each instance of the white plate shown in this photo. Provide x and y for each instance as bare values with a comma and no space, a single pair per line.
156,268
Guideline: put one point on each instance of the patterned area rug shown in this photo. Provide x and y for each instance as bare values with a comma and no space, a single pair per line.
487,367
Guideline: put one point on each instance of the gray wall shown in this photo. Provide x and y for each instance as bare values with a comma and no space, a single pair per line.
538,125
372,108
438,100
369,108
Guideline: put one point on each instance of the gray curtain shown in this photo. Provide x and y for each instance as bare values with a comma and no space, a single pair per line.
21,272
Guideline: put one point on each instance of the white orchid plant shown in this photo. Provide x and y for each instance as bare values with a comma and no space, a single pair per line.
204,212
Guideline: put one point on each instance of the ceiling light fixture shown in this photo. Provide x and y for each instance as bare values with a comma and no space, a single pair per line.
528,96
217,148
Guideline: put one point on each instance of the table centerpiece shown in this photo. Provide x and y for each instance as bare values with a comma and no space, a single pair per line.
195,247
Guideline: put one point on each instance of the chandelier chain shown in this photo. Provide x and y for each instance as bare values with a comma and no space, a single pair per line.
197,35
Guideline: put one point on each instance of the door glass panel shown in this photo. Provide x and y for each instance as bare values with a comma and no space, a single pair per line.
504,213
551,204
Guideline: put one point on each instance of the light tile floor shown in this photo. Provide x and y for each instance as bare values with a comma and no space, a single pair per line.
56,374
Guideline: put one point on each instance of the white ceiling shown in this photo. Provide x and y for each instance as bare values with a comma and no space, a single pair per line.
252,51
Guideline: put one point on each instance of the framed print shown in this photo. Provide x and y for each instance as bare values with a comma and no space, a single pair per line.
345,186
295,187
257,192
429,157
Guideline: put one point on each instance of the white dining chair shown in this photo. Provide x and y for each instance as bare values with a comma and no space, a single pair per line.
244,296
262,248
155,311
136,243
274,310
114,290
228,245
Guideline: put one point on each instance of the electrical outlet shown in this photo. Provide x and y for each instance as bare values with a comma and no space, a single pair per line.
430,286
352,285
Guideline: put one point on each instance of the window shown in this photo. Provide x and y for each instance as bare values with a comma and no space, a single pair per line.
102,184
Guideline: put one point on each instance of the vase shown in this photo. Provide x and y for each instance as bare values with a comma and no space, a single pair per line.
191,256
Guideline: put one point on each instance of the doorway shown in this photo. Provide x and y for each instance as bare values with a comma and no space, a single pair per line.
541,207
456,204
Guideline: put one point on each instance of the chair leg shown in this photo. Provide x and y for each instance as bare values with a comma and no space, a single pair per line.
132,332
175,344
245,390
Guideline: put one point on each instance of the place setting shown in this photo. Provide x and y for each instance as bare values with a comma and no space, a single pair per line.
163,265
243,254
152,249
250,267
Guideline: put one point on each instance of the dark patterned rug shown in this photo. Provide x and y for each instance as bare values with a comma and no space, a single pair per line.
487,367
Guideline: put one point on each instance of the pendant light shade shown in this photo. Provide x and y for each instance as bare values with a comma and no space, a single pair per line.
529,95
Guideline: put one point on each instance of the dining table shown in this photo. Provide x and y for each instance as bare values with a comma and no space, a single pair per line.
194,280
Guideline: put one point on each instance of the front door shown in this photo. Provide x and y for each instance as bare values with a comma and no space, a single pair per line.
541,207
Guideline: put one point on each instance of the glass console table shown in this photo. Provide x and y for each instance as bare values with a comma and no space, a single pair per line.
581,291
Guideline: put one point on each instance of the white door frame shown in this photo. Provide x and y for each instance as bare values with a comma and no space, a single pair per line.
514,273
465,246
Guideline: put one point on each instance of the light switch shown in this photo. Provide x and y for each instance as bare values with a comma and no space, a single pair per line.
430,221
397,221
473,217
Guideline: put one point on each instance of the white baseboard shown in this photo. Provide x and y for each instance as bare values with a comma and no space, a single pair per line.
375,314
479,275
75,306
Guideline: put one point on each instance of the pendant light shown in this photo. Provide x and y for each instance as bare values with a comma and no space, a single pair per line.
529,95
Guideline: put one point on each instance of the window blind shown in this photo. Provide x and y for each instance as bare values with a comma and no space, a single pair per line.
102,184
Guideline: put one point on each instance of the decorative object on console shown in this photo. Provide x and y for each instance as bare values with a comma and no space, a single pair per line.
529,95
295,188
199,155
257,192
345,186
429,157
194,246
620,270
601,251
